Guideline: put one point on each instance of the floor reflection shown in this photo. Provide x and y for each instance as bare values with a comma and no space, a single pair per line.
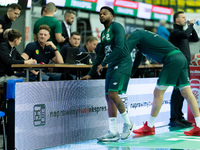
136,142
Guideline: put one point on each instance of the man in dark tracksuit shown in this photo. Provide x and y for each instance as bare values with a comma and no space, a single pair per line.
181,39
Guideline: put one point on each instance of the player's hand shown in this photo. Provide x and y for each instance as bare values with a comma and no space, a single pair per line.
50,43
87,77
99,69
30,61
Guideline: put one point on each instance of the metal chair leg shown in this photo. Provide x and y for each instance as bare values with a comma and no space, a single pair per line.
4,133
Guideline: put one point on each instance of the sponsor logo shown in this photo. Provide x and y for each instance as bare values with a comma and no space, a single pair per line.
103,37
77,112
146,104
195,83
162,10
195,72
155,35
47,52
37,51
39,115
115,83
80,4
116,67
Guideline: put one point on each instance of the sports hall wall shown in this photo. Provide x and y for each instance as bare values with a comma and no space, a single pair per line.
27,18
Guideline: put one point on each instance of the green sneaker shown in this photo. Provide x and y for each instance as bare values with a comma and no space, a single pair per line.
109,137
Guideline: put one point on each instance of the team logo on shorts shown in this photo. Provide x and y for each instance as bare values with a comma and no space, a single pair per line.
108,50
37,51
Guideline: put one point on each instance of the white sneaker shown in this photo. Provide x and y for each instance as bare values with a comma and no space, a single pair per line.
127,130
109,137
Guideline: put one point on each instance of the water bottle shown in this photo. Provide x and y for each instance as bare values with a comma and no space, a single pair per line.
196,22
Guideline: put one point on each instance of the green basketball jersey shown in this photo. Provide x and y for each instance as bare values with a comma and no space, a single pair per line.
150,45
113,51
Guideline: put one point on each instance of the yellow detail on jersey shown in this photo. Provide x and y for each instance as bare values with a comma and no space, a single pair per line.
37,51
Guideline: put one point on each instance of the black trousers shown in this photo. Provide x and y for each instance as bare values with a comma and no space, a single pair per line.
177,103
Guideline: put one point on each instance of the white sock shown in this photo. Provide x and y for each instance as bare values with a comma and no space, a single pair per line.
151,121
197,120
125,118
113,125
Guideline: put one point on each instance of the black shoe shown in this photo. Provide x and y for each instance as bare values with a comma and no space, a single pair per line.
176,123
185,122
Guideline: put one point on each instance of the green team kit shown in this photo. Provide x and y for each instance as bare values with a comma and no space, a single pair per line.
114,52
174,71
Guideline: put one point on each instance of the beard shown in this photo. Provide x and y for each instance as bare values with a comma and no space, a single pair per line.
104,21
69,23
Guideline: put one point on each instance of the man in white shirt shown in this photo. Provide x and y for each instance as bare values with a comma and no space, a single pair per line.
66,25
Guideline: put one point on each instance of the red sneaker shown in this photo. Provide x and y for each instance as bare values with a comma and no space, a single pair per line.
193,132
145,130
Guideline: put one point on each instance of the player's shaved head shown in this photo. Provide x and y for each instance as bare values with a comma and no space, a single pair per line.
50,7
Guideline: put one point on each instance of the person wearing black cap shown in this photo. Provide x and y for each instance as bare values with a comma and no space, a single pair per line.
114,54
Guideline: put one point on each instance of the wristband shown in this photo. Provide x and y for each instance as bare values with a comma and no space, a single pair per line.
55,49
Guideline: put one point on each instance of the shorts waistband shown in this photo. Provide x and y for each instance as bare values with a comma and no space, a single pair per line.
173,52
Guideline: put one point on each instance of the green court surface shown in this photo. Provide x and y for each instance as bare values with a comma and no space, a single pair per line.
174,140
166,138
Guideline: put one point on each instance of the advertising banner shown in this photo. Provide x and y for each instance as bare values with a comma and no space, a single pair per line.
121,7
82,4
49,114
125,7
161,13
195,85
